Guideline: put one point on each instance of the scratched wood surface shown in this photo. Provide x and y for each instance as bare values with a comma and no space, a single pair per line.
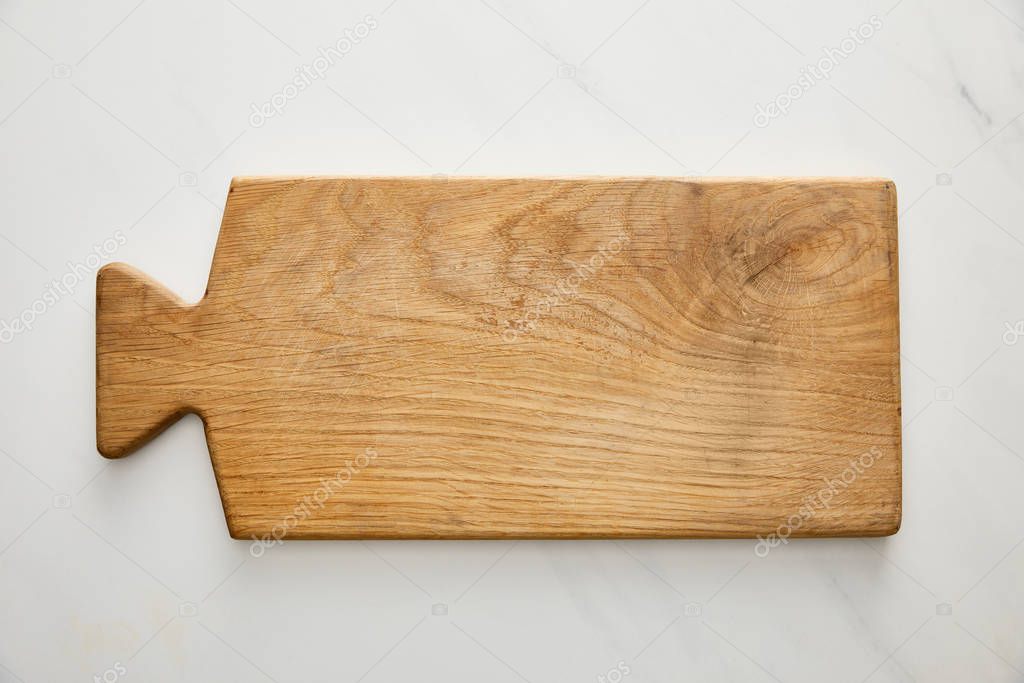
482,358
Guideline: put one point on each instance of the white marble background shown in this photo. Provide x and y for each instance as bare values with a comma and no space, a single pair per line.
132,116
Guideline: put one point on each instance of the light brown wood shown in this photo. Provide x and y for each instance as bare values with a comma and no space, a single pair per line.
467,358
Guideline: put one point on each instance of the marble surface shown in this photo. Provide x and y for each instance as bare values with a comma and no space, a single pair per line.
121,123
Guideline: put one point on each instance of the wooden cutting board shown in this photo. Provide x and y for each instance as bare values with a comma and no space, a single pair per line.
481,358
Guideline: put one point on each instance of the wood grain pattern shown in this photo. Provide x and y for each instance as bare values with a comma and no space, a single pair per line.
480,358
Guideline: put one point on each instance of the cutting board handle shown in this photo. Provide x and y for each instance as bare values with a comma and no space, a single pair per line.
141,359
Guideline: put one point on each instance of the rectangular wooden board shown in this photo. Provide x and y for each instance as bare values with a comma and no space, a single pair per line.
485,358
